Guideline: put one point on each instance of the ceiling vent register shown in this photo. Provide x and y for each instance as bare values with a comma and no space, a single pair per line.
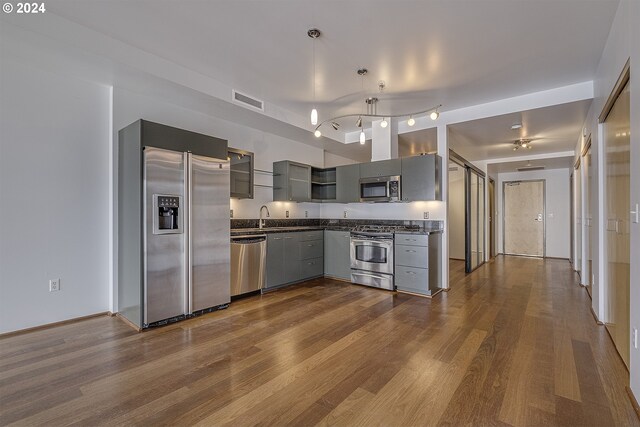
247,101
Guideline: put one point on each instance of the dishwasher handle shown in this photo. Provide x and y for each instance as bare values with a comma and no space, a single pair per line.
243,240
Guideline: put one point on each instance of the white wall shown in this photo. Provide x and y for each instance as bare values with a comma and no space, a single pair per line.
407,211
331,160
54,187
557,232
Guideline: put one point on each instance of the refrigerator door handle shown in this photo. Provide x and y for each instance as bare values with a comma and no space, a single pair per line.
187,236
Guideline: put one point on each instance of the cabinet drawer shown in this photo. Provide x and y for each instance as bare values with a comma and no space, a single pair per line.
311,249
412,239
412,279
312,267
412,256
311,235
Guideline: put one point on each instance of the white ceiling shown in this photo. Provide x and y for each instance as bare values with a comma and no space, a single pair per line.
551,163
457,53
552,130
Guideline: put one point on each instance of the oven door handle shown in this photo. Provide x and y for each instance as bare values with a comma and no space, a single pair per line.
369,275
376,242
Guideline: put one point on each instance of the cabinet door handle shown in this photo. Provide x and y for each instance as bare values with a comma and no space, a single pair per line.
277,238
409,250
310,245
288,238
411,272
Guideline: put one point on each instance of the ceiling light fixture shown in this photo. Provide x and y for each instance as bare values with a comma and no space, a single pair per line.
314,33
317,133
372,110
516,126
521,143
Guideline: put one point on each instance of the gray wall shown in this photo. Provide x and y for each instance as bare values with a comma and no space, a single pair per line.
54,187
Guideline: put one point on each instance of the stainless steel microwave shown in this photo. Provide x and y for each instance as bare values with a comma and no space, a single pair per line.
380,189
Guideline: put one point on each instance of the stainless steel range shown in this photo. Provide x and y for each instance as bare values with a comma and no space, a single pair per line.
372,255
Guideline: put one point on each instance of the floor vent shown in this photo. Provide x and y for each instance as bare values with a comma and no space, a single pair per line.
247,101
530,168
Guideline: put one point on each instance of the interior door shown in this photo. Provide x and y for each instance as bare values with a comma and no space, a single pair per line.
524,218
492,215
578,193
210,251
588,219
618,206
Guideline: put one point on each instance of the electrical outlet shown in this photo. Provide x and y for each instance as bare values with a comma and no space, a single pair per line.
344,215
231,213
635,338
306,214
286,214
426,215
54,285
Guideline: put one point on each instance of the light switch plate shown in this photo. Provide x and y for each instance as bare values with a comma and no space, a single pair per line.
306,214
286,214
344,215
231,213
54,285
635,338
426,215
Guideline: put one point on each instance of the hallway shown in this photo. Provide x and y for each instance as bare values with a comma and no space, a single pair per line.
514,342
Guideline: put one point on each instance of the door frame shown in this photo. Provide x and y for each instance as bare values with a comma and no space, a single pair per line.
492,218
544,216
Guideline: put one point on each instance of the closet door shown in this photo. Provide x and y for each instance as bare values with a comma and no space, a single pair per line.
618,205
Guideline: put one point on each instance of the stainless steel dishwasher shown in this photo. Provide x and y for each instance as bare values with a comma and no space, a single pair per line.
248,262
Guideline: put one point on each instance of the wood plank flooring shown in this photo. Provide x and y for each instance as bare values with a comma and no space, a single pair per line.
513,343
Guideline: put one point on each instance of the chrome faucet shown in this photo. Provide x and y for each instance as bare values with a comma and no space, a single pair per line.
261,223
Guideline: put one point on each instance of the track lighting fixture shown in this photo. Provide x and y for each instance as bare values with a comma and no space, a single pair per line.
335,125
314,33
411,121
363,138
359,122
317,133
384,123
434,115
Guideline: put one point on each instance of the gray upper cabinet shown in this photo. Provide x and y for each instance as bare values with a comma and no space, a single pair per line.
337,260
291,181
241,173
381,168
348,184
421,178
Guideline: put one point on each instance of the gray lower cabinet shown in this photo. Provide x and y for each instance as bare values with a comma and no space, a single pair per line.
348,184
337,259
293,257
380,168
417,263
421,178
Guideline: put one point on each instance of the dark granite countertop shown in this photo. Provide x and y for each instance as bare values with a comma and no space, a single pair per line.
250,227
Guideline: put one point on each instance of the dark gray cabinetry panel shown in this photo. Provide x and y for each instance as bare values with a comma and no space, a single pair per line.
380,168
275,260
421,178
291,181
337,260
241,173
293,257
417,263
348,184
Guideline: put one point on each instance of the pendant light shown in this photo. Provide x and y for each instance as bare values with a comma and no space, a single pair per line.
314,33
363,137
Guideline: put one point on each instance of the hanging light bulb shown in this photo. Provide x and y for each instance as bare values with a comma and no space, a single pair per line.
314,33
411,121
317,133
434,115
384,123
363,138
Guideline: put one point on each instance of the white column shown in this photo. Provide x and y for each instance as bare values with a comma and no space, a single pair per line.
384,141
443,151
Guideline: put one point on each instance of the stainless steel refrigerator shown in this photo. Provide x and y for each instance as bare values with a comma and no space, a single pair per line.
173,224
186,234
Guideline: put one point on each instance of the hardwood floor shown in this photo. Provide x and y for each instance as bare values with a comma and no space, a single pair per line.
513,343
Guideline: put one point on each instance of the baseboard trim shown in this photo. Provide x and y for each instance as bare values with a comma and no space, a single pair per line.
128,322
420,295
634,402
54,324
595,317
